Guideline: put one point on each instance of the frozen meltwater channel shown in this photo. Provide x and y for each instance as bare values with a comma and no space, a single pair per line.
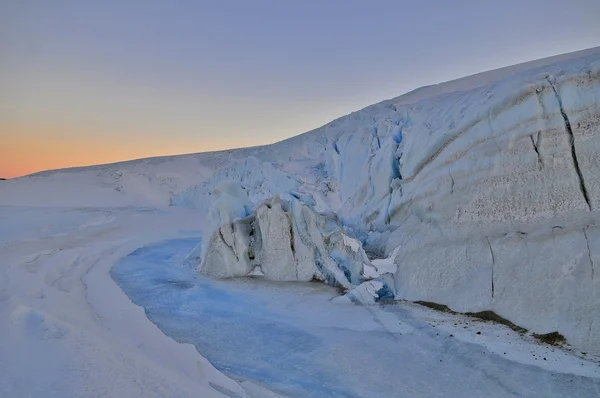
291,339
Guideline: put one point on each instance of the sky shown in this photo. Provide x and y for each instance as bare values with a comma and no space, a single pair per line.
89,82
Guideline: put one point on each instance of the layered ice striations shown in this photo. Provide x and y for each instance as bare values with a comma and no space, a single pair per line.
499,209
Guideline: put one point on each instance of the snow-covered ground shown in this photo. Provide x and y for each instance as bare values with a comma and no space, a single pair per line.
293,339
481,193
68,330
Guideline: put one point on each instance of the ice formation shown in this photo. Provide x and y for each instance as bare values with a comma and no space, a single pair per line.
500,200
487,186
491,194
284,241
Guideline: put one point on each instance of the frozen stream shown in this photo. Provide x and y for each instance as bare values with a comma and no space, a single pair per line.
292,339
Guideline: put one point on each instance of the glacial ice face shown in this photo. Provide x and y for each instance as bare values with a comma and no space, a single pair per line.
285,241
500,202
259,179
230,203
228,250
491,192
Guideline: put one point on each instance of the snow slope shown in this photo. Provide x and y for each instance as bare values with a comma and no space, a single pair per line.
475,182
67,330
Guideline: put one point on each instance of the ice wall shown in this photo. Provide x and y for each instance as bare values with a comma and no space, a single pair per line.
500,202
491,193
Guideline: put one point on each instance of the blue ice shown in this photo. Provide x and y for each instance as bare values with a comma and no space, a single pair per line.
229,328
291,339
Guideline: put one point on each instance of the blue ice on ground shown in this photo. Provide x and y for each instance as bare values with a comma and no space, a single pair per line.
232,330
291,339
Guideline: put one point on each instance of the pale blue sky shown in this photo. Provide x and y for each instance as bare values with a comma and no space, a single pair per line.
223,73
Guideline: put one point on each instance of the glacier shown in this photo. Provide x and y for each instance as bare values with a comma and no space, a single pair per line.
480,194
489,185
491,193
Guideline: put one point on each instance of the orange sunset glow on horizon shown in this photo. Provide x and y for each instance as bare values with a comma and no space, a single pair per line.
28,149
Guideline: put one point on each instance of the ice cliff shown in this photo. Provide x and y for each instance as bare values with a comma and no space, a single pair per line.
499,204
491,194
